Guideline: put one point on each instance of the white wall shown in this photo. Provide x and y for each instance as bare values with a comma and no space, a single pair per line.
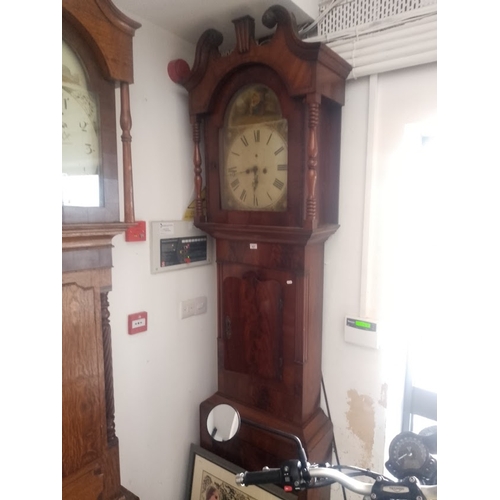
364,385
162,375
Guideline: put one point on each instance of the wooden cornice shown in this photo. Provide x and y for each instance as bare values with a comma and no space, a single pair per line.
269,234
314,66
85,236
108,31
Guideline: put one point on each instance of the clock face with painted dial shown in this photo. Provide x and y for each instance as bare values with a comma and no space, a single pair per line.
81,148
80,133
255,169
254,158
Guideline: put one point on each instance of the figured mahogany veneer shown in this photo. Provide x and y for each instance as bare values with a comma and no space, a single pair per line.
269,263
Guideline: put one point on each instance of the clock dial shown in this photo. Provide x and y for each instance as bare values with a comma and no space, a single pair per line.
81,151
80,139
255,169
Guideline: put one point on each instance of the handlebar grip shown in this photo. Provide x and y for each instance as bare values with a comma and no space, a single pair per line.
266,476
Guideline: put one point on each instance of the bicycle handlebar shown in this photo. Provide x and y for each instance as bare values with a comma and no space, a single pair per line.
298,474
265,476
323,476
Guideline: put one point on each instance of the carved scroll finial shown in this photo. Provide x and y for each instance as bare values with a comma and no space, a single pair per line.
207,49
211,38
312,162
245,33
278,15
207,46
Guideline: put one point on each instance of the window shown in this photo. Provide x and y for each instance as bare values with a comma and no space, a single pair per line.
420,392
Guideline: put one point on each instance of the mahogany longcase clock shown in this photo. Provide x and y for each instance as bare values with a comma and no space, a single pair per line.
269,115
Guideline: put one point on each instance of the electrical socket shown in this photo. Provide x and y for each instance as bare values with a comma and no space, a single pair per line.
193,307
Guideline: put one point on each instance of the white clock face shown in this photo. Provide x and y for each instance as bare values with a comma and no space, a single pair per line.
81,154
256,170
80,140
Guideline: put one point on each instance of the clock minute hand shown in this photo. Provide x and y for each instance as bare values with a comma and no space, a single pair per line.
255,182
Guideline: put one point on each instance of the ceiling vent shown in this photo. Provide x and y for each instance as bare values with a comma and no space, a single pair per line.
377,35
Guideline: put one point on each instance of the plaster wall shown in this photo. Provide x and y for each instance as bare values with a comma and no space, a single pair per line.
364,386
161,375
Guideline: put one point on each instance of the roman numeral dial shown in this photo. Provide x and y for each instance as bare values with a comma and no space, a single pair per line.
255,170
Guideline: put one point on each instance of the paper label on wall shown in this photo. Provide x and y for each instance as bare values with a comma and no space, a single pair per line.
191,209
166,229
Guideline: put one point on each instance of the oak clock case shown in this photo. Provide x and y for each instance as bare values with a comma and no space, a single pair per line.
269,118
89,150
96,60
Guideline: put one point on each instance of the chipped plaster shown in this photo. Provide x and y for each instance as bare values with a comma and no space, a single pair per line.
361,421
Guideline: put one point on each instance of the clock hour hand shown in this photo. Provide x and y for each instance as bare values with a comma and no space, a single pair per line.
233,171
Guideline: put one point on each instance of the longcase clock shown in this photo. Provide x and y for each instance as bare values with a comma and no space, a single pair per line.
269,117
96,60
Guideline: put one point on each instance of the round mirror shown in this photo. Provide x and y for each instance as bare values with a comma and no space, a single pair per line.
223,423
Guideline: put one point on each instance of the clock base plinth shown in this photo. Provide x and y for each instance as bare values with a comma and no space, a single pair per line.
254,448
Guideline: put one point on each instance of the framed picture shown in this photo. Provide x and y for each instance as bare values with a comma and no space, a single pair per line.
210,477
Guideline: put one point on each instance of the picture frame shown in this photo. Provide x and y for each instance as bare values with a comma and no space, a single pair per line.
207,470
